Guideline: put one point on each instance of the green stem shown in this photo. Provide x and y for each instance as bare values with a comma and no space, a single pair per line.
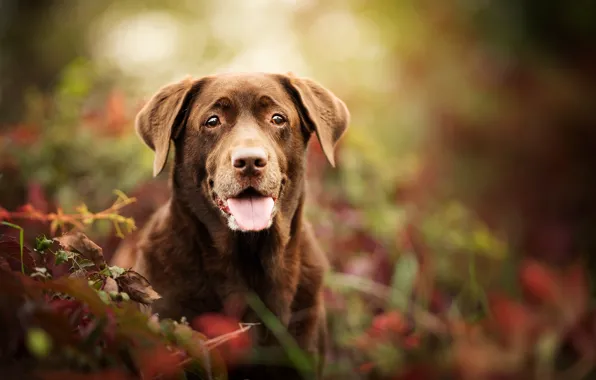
295,354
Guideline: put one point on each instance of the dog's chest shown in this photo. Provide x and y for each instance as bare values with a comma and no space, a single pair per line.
223,288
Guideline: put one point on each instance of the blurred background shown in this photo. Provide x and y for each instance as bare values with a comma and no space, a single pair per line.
471,147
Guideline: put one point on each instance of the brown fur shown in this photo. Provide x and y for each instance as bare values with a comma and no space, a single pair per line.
188,252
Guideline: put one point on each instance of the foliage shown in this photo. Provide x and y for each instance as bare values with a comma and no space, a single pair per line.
460,220
89,320
83,217
548,333
73,142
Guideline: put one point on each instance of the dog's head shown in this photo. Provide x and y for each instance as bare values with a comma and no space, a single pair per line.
240,141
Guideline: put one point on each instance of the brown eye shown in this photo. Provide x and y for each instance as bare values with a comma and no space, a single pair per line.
212,122
277,119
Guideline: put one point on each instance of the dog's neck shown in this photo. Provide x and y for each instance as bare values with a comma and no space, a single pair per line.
254,256
214,237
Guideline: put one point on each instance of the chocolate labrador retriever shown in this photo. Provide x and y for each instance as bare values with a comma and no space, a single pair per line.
234,224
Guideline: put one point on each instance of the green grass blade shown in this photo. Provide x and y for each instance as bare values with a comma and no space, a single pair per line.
404,276
295,354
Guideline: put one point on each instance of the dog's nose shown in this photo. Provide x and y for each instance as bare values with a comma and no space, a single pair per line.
249,161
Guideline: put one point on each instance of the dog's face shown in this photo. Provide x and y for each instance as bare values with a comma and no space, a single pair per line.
241,140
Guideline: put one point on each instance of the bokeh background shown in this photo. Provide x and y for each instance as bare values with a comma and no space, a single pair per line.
471,147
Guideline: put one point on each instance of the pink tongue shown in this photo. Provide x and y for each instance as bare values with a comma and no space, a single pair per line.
251,213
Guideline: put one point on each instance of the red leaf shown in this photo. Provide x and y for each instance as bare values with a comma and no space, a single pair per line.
159,361
10,253
36,197
216,325
23,134
63,306
411,341
566,289
575,291
366,367
79,289
538,282
513,321
115,113
26,208
390,322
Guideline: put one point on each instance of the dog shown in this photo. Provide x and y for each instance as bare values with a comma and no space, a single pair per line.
234,224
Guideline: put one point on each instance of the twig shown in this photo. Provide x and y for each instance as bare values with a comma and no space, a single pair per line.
217,341
84,217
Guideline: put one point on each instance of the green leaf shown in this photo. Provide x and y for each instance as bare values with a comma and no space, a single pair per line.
114,295
95,284
61,257
546,352
404,276
84,263
42,243
39,343
104,296
116,271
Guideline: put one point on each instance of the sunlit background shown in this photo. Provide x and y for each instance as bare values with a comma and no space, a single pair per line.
470,145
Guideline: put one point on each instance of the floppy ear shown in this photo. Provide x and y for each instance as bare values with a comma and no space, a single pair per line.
165,113
323,112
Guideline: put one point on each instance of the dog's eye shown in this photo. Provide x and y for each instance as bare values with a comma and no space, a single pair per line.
277,119
213,121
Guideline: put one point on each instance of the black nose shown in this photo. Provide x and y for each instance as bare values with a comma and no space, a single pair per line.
249,161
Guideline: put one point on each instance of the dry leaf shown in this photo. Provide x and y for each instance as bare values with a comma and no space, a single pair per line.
80,273
111,285
80,243
137,287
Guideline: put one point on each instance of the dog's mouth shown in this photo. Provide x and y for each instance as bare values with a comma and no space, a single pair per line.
249,210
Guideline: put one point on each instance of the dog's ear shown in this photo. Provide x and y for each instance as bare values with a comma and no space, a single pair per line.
322,112
162,117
